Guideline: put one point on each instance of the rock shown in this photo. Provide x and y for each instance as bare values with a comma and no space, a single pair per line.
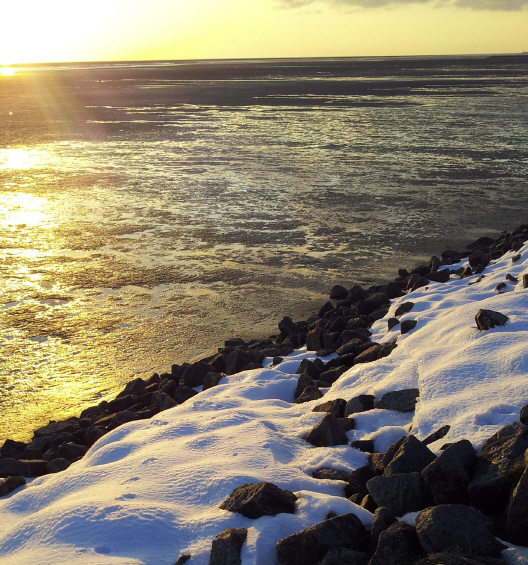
517,515
57,465
302,382
378,314
382,520
66,426
401,493
357,293
478,260
211,380
433,264
487,319
343,556
454,526
183,393
349,346
455,557
499,467
357,480
438,434
182,559
338,292
327,432
387,348
392,322
449,256
412,456
226,547
8,467
194,375
368,503
161,400
369,355
399,400
71,451
442,276
392,290
366,445
235,362
311,392
331,474
314,339
287,326
407,325
9,484
415,282
523,414
347,424
32,467
448,476
260,499
361,403
335,407
311,368
12,449
372,303
397,545
309,546
403,309
480,242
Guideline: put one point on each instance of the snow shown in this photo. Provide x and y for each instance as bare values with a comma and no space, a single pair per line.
150,490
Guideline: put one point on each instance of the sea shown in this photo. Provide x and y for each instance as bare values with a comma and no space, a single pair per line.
151,210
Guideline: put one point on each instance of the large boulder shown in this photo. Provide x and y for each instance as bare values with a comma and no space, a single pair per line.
260,499
372,303
382,520
454,526
412,456
226,547
235,362
406,492
335,407
397,545
487,319
309,546
327,432
194,375
399,400
361,403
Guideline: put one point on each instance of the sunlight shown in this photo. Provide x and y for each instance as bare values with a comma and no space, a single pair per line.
23,210
7,71
19,159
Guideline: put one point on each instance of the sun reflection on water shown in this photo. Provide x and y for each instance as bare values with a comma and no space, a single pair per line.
20,159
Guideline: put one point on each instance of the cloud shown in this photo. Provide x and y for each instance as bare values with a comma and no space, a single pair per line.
497,5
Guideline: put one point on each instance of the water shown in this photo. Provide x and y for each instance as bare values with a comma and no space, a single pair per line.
150,211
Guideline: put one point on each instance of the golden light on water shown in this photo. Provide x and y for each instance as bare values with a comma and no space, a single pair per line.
20,159
7,71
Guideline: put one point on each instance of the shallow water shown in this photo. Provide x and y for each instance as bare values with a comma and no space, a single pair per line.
151,211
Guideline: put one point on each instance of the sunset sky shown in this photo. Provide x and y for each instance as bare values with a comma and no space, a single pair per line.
105,30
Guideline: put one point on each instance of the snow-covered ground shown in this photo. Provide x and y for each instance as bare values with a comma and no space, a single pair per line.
150,490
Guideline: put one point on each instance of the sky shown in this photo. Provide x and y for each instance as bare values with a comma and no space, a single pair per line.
124,30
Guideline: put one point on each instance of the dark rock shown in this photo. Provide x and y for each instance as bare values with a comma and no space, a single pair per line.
168,388
302,382
311,368
404,308
442,276
325,309
369,355
392,322
449,256
356,498
94,413
525,281
361,403
412,456
182,559
454,526
57,465
332,375
8,467
346,361
71,451
195,374
347,424
159,399
226,546
343,556
331,474
260,499
366,445
338,292
349,346
397,545
517,515
378,314
32,467
372,303
480,242
311,392
357,293
421,270
388,348
400,493
211,380
9,484
399,400
357,481
478,260
92,435
234,342
501,286
276,361
330,339
511,278
456,556
121,403
66,426
235,362
219,363
438,434
314,339
252,366
416,282
309,546
327,432
407,326
448,476
433,264
487,319
338,325
516,258
12,449
465,273
523,414
368,503
382,520
335,407
183,393
392,290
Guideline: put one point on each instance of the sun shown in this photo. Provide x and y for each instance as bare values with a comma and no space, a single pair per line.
7,71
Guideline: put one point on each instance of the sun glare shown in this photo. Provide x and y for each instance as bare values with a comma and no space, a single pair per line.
17,159
7,71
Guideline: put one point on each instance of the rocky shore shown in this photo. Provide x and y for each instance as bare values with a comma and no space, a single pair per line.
464,500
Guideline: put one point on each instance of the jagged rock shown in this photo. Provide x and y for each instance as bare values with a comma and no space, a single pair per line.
302,382
226,546
478,260
309,546
480,242
260,499
366,445
438,434
331,375
194,375
66,426
454,526
487,319
8,467
347,424
349,346
397,545
343,556
287,326
361,403
357,293
9,484
184,393
57,465
500,464
338,292
416,281
314,339
382,520
450,256
403,309
517,514
311,368
71,451
448,476
392,322
371,304
335,407
391,289
161,400
235,362
407,325
368,503
388,348
32,467
401,493
378,314
327,432
357,480
331,474
433,264
369,355
183,559
12,449
211,380
442,276
412,456
311,392
399,400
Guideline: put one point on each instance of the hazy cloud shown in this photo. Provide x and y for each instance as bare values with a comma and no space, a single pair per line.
498,5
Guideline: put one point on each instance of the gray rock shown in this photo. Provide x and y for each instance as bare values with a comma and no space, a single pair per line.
235,362
327,432
382,520
12,449
412,456
194,375
403,309
454,526
338,292
309,546
260,499
9,484
517,514
448,476
406,492
8,467
361,403
342,556
357,480
184,393
226,547
438,434
211,380
162,401
349,346
392,322
57,465
302,382
399,400
397,545
407,325
335,407
487,319
311,392
331,474
369,355
314,339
